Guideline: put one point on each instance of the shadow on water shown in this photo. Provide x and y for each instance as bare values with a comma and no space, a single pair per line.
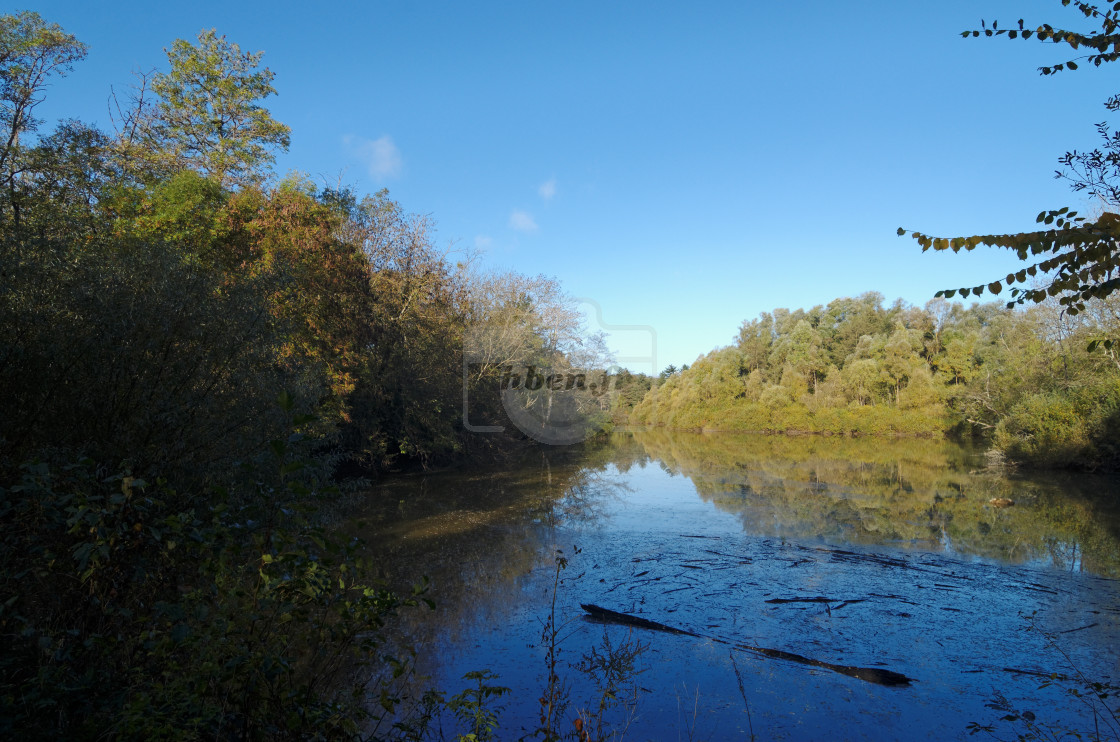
854,553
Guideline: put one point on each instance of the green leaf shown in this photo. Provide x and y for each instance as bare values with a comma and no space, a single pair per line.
179,632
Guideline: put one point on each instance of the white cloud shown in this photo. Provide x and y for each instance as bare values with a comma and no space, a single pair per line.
547,189
522,221
483,241
380,156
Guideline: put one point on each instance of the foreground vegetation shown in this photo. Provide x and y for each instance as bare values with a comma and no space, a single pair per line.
138,612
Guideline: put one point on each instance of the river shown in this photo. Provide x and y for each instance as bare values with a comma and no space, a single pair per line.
780,561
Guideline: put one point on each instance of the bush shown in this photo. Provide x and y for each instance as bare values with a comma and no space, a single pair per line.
128,352
123,616
1043,430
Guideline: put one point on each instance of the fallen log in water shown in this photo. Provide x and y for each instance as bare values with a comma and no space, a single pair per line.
870,674
606,614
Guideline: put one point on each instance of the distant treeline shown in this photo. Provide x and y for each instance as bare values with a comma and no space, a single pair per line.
1025,377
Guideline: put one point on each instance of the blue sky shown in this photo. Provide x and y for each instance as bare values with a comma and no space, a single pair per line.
684,165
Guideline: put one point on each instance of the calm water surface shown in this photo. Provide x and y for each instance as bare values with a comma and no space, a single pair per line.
909,565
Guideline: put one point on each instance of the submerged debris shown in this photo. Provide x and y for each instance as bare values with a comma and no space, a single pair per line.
870,674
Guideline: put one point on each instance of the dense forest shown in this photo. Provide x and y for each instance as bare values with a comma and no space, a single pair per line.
1024,377
162,286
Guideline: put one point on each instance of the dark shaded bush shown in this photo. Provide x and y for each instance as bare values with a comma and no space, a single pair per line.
126,352
122,615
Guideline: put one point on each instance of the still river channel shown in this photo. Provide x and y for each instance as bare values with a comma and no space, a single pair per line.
848,553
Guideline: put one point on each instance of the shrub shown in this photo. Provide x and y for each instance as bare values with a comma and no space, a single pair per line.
1043,429
123,616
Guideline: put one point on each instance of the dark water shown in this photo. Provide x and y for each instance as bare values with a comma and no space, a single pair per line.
910,566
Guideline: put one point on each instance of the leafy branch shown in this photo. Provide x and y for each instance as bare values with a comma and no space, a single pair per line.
1080,257
1105,42
1083,259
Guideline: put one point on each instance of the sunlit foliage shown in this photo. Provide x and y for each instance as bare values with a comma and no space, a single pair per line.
855,367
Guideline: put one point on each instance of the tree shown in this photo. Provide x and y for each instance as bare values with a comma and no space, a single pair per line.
1079,259
509,316
800,350
958,361
63,182
208,116
754,341
31,51
900,360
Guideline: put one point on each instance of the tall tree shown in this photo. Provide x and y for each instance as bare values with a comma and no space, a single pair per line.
31,51
63,180
754,340
208,116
